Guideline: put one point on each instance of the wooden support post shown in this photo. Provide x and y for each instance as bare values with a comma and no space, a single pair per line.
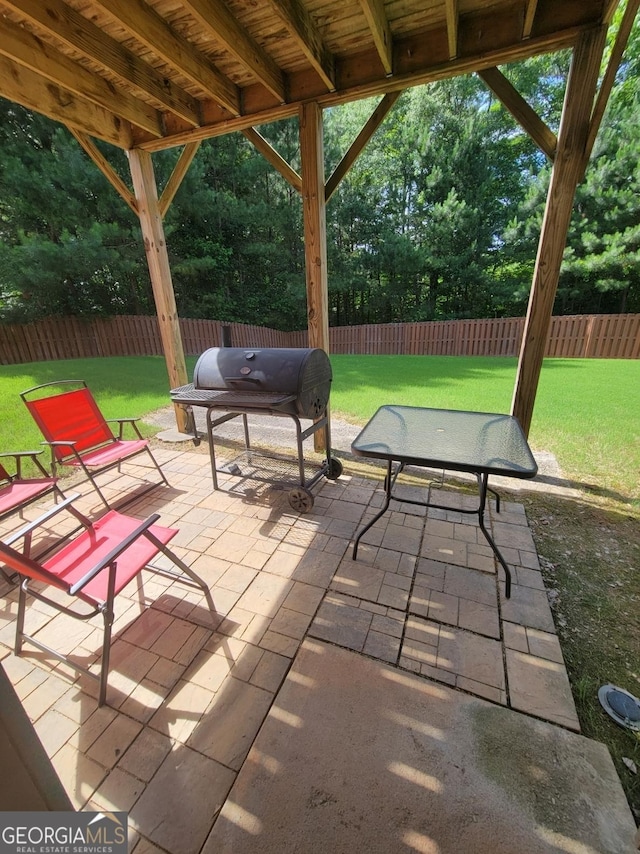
315,230
567,171
144,184
315,224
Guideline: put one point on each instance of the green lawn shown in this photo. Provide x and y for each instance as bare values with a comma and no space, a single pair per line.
587,411
125,387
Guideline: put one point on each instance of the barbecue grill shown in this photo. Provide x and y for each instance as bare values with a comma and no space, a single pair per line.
288,382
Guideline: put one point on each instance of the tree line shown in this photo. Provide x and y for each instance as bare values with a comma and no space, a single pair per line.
438,219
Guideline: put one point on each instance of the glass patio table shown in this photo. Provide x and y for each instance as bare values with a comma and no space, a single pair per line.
481,443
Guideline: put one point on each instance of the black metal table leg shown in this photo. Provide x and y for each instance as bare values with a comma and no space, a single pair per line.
483,486
388,486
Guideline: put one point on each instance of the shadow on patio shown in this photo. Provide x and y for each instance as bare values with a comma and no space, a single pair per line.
394,703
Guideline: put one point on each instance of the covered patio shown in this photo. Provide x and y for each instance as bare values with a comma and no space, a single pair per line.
397,702
149,76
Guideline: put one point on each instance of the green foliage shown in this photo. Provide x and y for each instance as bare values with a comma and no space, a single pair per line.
438,218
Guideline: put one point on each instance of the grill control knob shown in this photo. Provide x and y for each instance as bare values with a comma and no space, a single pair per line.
250,355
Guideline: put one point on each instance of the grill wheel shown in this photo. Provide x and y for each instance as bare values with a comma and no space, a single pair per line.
301,499
334,469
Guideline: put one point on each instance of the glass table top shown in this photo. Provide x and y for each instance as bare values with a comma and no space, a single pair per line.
447,438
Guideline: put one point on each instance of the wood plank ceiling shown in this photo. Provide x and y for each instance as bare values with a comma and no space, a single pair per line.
152,74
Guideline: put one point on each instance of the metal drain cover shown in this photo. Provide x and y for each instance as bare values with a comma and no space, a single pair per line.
620,705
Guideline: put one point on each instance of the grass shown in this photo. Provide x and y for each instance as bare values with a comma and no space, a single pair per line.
589,550
587,411
124,387
587,414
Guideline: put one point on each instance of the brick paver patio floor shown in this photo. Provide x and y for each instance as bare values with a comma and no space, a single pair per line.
189,690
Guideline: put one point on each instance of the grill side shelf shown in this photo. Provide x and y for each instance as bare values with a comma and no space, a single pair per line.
191,396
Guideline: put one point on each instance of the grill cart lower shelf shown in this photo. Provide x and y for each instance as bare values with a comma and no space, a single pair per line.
236,405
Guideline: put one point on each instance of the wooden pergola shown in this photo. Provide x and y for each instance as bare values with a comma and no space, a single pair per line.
146,75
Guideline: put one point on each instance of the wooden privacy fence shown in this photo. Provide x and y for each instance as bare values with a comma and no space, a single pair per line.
601,336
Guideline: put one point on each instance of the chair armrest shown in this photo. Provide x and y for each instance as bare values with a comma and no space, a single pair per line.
49,514
19,456
108,559
121,422
62,443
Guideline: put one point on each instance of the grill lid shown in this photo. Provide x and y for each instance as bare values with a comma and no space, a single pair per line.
302,375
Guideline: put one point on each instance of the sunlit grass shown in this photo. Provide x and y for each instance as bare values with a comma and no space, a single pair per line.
124,388
587,411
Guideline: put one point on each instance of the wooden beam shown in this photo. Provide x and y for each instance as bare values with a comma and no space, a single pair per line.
269,153
315,231
144,184
378,22
303,29
529,17
23,86
567,170
610,8
22,47
622,37
451,10
411,75
76,32
175,179
373,123
106,168
215,18
522,112
315,224
154,32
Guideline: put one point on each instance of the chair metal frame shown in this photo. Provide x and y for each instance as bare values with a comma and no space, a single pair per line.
16,491
79,435
92,569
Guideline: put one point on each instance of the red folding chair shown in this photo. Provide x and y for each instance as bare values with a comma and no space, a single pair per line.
79,435
92,569
17,491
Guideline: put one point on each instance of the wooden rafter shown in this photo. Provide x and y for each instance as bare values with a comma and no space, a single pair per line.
106,168
522,112
202,68
302,28
529,17
413,73
379,25
76,32
175,179
154,32
373,123
23,86
276,160
20,46
451,9
216,19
